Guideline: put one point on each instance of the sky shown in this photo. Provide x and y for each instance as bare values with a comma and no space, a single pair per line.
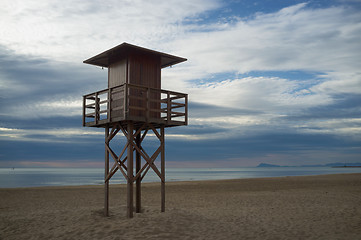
274,82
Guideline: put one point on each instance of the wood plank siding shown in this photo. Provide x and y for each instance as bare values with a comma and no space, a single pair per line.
144,70
134,89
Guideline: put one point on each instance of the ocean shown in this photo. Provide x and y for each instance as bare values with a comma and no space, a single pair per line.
37,177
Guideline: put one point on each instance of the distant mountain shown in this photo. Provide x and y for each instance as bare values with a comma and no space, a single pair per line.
267,165
317,165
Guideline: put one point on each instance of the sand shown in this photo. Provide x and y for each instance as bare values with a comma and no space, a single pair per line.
309,207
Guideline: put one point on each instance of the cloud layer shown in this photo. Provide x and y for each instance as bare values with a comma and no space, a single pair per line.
280,86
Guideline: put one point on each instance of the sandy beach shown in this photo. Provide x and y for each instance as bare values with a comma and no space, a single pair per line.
309,207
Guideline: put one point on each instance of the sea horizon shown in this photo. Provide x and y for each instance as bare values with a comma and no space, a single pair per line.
38,177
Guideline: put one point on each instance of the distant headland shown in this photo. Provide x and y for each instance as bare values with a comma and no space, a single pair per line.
317,165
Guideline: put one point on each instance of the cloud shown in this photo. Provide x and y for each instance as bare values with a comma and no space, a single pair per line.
71,30
281,85
55,135
35,87
323,42
294,38
259,94
250,150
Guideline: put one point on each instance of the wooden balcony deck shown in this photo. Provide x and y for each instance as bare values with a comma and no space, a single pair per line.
129,102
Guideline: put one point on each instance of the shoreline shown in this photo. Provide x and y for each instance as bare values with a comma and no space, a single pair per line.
294,207
176,181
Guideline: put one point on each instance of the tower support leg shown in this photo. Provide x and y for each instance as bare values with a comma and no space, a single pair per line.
130,172
162,169
106,182
133,148
138,191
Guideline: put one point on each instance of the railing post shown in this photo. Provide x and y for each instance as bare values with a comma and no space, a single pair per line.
186,109
152,96
84,112
169,109
96,108
109,108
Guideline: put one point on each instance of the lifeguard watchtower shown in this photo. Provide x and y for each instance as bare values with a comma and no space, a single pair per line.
134,104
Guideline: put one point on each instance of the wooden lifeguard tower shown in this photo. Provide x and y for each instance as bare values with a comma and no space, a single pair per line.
134,104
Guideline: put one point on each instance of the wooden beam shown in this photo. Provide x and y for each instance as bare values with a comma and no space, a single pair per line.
186,109
177,104
138,201
116,160
147,164
114,132
147,158
115,169
106,183
84,112
97,107
102,111
92,115
112,172
109,105
162,170
130,171
121,155
140,129
151,161
169,104
155,131
144,134
124,131
177,114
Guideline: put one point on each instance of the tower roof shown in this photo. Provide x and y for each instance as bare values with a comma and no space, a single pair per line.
123,50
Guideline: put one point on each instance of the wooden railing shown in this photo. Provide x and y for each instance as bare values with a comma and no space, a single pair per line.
135,103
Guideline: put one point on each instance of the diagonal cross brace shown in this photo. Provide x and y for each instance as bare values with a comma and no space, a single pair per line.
116,160
118,164
148,167
149,162
115,169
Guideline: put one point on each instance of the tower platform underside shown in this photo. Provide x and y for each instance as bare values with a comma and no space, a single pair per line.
137,122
